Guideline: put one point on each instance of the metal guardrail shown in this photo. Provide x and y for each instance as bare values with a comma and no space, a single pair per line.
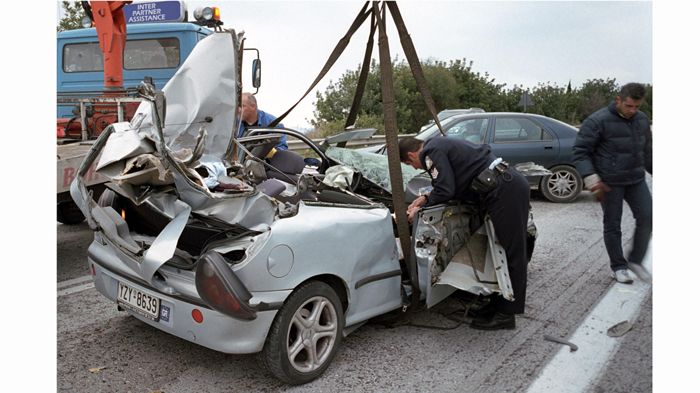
375,140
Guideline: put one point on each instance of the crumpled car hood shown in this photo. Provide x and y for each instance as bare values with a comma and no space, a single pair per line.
201,93
168,173
199,123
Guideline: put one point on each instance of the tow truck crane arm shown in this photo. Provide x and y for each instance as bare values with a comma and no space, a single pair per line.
110,24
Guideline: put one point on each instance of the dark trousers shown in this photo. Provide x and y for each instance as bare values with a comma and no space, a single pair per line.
509,206
638,198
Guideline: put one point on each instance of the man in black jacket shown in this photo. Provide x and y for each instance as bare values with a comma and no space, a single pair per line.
453,164
612,152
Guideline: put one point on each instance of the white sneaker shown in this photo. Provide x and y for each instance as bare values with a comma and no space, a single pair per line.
640,271
622,276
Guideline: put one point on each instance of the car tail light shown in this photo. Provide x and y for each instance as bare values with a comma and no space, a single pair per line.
221,289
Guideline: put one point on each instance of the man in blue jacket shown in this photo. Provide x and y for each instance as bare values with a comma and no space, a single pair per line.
251,116
612,153
453,165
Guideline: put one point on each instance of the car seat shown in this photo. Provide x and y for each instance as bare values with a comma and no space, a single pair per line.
289,163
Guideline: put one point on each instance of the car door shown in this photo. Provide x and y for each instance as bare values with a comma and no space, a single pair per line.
455,249
519,139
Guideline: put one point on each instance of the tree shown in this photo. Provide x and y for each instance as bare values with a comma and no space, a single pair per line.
476,90
72,16
595,94
549,100
452,85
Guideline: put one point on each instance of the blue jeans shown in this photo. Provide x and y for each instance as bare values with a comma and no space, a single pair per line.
638,198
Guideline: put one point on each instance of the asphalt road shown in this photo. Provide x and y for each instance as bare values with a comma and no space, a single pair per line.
103,350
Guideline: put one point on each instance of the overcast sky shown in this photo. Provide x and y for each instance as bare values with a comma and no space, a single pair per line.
517,43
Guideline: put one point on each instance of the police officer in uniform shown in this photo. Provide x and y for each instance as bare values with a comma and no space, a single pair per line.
460,170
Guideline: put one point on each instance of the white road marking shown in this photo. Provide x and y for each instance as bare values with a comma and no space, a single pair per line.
74,281
74,285
575,371
76,289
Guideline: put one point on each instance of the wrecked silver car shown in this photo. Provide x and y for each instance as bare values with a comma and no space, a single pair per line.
240,248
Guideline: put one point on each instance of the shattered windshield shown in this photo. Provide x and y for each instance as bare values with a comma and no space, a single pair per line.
373,167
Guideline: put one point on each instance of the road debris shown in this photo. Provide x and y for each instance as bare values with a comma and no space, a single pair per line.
96,370
573,347
619,329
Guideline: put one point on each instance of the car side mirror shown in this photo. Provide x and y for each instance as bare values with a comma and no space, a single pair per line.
257,64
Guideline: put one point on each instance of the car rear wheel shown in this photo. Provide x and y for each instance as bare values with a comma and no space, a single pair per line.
563,185
305,334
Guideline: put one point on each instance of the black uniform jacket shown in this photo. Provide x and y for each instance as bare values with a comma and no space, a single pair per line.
452,164
617,149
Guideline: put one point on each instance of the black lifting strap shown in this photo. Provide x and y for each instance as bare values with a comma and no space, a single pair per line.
337,51
412,57
364,72
392,148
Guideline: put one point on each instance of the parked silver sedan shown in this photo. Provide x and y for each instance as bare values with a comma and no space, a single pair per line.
232,245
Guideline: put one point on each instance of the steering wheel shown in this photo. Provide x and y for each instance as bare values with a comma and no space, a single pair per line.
356,180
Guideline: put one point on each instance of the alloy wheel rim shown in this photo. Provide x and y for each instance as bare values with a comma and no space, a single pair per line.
561,184
312,334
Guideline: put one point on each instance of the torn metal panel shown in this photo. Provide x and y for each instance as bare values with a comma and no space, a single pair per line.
163,248
479,266
115,228
452,255
203,92
531,169
256,212
124,143
499,261
78,190
144,169
165,204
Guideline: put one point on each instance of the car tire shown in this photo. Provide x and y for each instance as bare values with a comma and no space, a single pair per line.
305,334
68,213
563,185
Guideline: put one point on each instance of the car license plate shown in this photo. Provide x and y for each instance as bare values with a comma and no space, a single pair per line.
140,302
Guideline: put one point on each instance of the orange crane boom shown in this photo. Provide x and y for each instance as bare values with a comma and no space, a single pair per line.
111,32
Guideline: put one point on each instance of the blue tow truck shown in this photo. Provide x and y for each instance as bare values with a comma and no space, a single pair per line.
158,40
